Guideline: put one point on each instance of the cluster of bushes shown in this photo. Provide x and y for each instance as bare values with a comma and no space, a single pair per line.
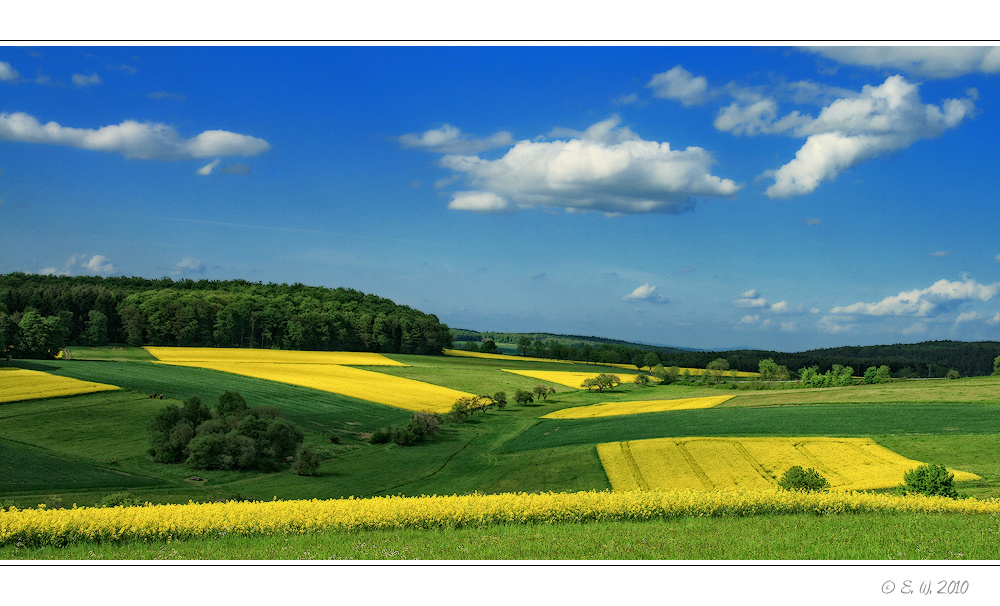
933,480
232,436
422,425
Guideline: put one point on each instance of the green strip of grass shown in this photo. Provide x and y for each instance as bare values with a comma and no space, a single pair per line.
111,352
818,420
23,470
792,537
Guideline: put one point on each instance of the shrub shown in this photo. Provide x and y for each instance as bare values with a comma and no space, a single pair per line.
929,480
120,499
797,478
953,374
380,436
306,461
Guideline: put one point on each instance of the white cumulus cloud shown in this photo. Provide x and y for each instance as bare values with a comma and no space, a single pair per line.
679,84
879,120
83,265
924,61
941,296
132,139
645,293
606,168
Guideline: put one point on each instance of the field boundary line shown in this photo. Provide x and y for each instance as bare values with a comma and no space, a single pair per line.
695,468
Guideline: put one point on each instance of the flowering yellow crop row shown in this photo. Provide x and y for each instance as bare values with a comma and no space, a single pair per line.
344,380
282,356
166,522
610,409
567,378
19,384
752,463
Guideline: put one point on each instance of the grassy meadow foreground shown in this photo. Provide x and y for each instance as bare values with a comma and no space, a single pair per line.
613,451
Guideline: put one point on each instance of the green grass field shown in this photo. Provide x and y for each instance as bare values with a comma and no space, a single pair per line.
82,448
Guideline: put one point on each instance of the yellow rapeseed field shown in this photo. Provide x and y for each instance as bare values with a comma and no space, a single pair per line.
567,378
170,522
610,409
323,370
752,463
353,382
18,384
282,356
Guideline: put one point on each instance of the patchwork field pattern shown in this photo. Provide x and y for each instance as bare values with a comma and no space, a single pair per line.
326,376
751,463
18,384
611,409
269,356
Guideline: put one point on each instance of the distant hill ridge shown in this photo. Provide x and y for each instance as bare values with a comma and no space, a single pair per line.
926,359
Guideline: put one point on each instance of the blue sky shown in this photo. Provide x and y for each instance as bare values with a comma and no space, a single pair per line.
783,198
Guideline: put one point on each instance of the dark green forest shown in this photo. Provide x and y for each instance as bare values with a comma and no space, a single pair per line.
39,315
908,360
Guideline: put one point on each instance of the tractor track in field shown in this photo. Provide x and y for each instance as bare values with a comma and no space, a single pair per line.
433,473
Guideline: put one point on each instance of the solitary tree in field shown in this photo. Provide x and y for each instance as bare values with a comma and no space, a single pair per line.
523,345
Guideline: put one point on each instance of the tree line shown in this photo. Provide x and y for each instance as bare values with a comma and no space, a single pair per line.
908,360
41,314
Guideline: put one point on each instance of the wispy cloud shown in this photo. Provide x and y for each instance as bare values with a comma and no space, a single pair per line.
448,139
189,266
8,73
166,95
81,80
923,61
750,298
208,168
